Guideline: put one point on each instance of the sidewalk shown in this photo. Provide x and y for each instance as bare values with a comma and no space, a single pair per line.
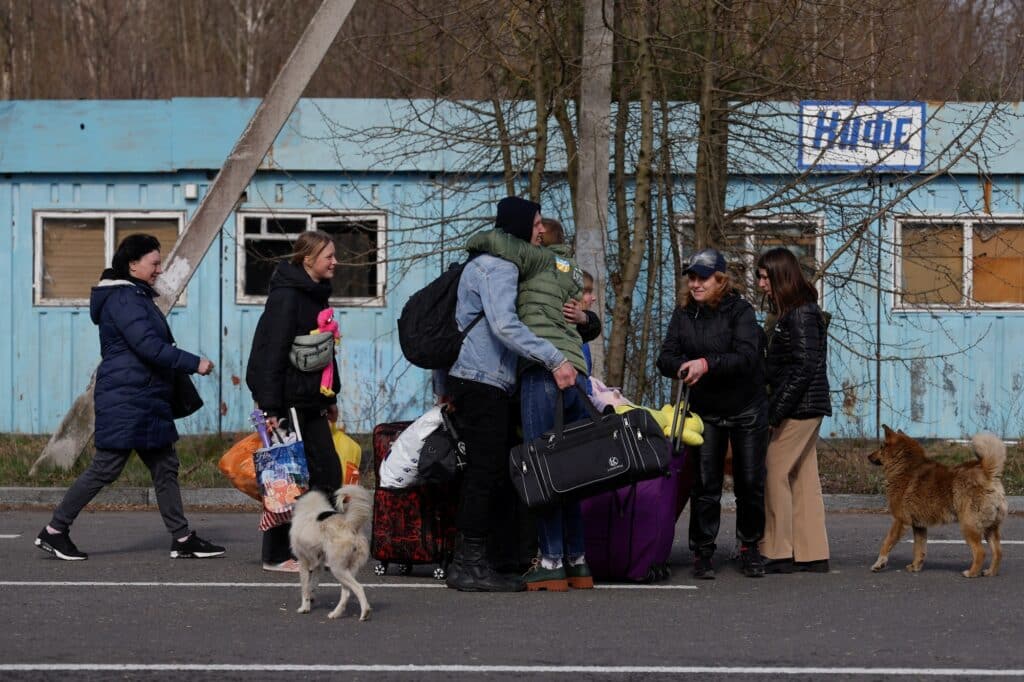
221,498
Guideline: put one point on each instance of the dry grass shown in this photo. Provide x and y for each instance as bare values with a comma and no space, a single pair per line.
843,463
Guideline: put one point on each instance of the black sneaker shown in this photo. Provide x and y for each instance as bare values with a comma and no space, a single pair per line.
819,566
702,567
778,566
194,548
60,546
751,562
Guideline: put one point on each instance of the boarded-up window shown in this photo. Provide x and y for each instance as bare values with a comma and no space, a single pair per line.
164,229
74,249
998,263
932,264
74,255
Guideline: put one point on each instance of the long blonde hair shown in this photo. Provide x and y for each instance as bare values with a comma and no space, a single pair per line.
309,245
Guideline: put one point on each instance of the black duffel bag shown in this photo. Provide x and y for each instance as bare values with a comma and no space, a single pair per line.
587,457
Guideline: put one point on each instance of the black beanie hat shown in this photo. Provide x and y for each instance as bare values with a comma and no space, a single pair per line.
515,216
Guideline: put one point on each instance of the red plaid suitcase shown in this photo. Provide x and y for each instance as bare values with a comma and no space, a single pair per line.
411,525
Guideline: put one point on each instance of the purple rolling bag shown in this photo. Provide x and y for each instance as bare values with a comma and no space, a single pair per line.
628,532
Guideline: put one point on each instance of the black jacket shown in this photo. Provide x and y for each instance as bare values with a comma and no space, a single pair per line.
728,337
293,303
591,329
796,366
134,383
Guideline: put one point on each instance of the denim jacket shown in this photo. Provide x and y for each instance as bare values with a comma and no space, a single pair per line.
491,350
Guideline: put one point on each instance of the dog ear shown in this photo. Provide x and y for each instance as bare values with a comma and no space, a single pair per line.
888,431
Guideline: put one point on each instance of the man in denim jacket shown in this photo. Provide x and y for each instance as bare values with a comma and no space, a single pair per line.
480,384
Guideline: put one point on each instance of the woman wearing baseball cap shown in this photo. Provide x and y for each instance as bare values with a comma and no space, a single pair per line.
715,345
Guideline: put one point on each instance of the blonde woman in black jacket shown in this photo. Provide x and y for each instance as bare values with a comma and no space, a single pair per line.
714,344
795,537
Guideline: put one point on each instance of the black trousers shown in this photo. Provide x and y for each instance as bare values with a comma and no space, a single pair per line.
747,432
482,418
324,474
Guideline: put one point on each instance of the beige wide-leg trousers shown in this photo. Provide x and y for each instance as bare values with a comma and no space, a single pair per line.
794,508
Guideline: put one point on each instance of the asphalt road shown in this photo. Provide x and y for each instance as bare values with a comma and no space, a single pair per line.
130,612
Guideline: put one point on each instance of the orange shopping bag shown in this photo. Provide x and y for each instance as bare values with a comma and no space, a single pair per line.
237,464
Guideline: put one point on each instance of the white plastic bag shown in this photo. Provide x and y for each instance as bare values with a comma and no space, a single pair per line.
400,469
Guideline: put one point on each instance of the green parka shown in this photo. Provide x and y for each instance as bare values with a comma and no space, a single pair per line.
548,277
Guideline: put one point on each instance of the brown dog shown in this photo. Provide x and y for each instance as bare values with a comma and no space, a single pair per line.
924,493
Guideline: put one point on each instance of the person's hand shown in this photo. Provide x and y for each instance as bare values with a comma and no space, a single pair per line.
205,366
565,375
574,312
332,413
272,422
692,370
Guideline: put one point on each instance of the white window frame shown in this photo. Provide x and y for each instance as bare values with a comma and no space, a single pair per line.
313,219
109,247
966,224
750,258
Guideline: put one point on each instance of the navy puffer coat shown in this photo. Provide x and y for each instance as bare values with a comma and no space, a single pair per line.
136,375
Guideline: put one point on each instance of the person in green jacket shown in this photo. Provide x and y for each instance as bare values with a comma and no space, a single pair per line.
548,279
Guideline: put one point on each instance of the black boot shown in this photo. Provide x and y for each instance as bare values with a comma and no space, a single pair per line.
474,574
455,567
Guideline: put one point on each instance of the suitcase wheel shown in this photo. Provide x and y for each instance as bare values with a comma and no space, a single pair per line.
652,575
440,573
380,569
663,572
405,569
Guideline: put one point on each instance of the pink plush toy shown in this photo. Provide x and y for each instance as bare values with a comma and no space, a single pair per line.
325,324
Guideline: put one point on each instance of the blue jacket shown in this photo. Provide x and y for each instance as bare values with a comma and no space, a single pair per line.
491,350
135,378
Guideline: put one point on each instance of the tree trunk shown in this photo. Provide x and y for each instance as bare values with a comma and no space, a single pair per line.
591,205
633,259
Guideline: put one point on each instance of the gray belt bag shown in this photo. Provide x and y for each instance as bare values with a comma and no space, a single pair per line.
311,352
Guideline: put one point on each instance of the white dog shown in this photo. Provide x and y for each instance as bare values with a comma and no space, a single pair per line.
324,535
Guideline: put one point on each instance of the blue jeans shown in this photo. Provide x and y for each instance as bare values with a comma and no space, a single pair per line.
559,528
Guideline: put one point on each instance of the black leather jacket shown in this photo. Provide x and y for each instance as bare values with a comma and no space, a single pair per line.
796,366
729,338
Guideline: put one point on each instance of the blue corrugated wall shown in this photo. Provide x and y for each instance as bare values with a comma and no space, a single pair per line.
953,372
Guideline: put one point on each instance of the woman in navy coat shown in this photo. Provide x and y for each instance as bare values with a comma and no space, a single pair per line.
134,388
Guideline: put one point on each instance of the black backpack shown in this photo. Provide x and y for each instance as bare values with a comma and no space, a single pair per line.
427,331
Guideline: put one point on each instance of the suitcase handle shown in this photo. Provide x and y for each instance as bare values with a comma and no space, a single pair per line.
683,406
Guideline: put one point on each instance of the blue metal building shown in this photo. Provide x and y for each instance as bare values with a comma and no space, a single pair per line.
77,176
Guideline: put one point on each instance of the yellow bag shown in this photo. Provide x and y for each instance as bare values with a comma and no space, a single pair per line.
349,452
692,426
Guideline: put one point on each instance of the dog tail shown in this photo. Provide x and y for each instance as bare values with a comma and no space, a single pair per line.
990,449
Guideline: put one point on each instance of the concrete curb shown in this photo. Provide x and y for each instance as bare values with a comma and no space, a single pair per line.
128,497
229,497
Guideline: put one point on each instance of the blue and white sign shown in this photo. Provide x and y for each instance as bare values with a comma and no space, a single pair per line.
887,136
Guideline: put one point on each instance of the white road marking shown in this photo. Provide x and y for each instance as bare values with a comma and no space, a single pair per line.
522,669
961,542
10,537
437,585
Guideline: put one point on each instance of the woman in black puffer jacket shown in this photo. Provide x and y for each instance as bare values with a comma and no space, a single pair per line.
795,537
299,289
715,345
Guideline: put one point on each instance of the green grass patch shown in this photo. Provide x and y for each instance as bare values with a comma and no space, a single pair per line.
198,456
842,463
